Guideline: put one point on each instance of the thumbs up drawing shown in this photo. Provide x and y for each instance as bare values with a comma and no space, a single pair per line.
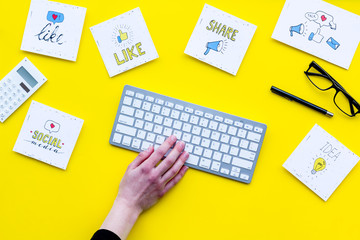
122,36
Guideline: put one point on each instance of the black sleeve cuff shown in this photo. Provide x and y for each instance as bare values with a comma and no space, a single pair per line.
104,234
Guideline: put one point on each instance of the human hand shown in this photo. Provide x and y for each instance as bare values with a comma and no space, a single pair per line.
147,179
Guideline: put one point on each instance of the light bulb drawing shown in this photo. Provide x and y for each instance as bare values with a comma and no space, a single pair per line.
319,165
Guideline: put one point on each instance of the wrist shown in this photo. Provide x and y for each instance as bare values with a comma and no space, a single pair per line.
132,211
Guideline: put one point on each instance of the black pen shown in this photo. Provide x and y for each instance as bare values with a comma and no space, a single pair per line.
299,100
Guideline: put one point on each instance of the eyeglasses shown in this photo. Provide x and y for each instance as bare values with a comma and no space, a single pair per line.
323,81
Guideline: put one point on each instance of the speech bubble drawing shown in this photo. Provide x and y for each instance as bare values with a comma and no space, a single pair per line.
322,18
52,126
55,17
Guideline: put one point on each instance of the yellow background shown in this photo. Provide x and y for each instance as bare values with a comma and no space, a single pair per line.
38,201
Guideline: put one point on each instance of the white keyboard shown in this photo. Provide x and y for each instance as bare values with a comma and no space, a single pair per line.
218,143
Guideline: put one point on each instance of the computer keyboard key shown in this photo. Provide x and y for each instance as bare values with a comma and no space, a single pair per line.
248,127
258,130
158,129
158,119
225,171
207,153
253,146
175,114
168,122
139,95
224,148
149,116
254,137
215,145
177,133
146,106
205,133
205,143
184,117
150,99
126,120
136,143
145,145
159,101
160,139
126,141
232,131
215,136
141,134
125,129
196,140
165,111
177,124
156,108
247,154
224,138
186,127
235,169
222,128
226,159
189,110
213,125
194,120
137,103
169,104
198,150
117,137
150,137
242,163
228,121
186,137
234,151
234,174
219,119
217,156
242,133
244,176
189,148
139,113
127,100
196,130
193,160
205,163
208,115
167,132
199,113
130,93
127,110
244,143
215,166
179,107
139,123
203,122
234,141
148,126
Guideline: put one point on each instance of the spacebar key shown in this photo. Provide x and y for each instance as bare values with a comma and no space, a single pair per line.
125,129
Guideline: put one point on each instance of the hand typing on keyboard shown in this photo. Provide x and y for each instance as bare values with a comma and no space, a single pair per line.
145,181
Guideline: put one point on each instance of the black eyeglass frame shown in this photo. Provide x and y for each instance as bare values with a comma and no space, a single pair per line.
338,88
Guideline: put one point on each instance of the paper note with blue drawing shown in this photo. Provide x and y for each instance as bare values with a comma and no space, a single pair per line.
220,39
321,162
124,42
53,29
320,29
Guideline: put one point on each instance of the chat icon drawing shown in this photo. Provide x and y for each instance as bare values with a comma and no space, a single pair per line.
55,17
52,126
322,18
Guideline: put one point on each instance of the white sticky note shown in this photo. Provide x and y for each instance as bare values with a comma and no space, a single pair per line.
53,29
319,28
220,39
321,162
48,135
124,42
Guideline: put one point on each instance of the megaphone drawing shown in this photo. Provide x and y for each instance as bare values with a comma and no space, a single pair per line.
299,29
216,46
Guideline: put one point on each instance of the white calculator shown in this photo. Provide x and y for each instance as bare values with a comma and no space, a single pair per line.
17,86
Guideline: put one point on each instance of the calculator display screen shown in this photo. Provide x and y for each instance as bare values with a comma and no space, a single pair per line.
27,76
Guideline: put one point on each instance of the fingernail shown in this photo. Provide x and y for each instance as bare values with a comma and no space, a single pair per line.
186,154
173,137
149,148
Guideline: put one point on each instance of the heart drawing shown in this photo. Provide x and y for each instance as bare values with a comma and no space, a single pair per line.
52,125
323,18
54,16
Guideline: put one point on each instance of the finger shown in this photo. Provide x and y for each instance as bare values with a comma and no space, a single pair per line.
161,151
141,157
175,180
175,168
170,159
